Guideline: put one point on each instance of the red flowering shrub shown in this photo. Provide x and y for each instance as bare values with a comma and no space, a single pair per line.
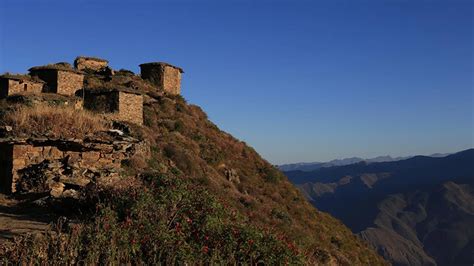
172,222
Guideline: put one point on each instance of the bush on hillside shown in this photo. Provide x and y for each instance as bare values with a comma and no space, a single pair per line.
167,221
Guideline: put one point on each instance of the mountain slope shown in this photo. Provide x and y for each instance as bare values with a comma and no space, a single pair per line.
414,211
236,173
432,226
226,183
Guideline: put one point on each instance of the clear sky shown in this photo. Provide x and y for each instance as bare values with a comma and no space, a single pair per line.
297,80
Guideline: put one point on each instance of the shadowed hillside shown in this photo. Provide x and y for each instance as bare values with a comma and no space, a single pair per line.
414,211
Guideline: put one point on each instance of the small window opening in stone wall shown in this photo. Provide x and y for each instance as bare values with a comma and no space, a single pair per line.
25,87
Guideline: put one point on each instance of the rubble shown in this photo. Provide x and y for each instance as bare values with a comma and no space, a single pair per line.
63,168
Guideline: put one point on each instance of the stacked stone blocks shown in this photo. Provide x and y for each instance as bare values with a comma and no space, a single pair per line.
62,79
90,63
163,75
17,85
125,105
16,157
19,157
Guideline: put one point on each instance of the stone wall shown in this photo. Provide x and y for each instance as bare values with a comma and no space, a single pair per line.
131,107
69,82
124,105
172,80
18,86
50,76
152,73
163,75
101,101
22,163
15,86
83,63
60,81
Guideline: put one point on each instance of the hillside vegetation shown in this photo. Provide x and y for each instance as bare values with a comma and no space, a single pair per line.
195,148
202,197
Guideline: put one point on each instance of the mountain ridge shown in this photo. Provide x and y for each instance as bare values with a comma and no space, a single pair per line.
403,208
310,166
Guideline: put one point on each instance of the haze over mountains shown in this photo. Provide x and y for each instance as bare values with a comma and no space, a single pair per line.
416,211
346,161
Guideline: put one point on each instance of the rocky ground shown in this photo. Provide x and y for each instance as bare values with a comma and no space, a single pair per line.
19,217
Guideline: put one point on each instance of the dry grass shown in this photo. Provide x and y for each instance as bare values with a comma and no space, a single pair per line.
122,80
53,121
57,66
186,144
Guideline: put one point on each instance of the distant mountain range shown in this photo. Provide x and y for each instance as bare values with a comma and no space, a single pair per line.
346,161
416,211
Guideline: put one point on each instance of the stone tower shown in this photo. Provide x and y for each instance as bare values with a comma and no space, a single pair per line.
163,75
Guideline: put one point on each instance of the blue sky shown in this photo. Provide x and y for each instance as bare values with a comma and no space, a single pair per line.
297,80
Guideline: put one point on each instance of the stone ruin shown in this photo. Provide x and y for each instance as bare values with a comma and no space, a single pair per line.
126,104
90,63
59,78
163,75
14,84
62,78
62,168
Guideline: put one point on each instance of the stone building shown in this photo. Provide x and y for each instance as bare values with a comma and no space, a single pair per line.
126,105
90,63
59,78
40,165
165,76
13,84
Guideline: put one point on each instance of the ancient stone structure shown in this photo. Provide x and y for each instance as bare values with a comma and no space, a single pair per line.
55,166
62,167
14,84
59,79
165,76
126,105
90,63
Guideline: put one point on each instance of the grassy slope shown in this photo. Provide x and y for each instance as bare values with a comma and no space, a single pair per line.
185,144
184,141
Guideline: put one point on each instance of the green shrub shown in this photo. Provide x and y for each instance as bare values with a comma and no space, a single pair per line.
281,215
272,175
148,116
179,126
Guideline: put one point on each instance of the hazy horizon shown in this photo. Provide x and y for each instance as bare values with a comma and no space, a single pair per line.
298,81
382,155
